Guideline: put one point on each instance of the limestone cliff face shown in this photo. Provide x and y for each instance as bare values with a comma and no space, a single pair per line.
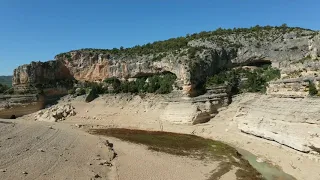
28,77
86,66
295,75
279,47
191,59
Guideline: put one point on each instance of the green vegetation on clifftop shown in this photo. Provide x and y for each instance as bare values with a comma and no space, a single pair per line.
176,44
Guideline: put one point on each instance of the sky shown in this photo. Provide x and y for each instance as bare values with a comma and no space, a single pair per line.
37,30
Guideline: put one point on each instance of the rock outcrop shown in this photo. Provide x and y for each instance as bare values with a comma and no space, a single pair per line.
294,87
29,78
296,74
191,59
198,109
55,113
292,122
88,66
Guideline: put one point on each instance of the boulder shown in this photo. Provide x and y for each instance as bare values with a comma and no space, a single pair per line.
55,113
187,113
91,96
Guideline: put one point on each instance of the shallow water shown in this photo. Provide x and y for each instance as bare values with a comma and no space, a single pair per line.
268,171
20,110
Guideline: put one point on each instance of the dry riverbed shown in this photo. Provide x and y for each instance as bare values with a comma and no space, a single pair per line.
110,112
135,161
39,150
31,150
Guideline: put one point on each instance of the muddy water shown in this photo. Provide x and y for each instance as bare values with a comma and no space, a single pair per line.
21,110
268,171
21,105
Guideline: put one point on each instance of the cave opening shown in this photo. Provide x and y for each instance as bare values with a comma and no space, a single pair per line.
257,63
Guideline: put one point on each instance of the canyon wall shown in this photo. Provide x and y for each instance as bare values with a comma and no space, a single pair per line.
192,58
88,66
29,77
296,76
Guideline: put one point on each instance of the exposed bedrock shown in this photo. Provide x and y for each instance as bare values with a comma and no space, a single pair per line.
292,122
86,66
45,75
196,110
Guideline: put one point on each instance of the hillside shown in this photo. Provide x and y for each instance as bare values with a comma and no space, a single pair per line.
6,80
192,58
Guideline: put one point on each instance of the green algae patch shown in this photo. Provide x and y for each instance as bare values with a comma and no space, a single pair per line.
190,146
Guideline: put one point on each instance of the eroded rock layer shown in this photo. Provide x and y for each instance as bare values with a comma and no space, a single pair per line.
291,122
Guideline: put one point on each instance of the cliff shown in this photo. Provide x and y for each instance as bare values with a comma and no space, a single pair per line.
31,77
192,58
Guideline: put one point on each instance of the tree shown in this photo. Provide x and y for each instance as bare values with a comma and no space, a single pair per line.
153,84
284,25
116,84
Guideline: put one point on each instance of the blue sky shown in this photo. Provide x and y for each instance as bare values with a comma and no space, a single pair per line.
37,30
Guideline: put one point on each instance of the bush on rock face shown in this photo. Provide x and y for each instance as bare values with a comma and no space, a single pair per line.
80,91
161,84
245,80
312,89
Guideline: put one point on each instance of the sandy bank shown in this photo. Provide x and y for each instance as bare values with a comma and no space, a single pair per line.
145,114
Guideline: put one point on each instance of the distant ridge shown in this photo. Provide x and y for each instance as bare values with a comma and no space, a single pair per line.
6,80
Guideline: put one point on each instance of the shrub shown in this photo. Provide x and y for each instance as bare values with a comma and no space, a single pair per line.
253,80
153,84
80,91
156,84
166,82
72,91
254,83
312,89
141,84
116,84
